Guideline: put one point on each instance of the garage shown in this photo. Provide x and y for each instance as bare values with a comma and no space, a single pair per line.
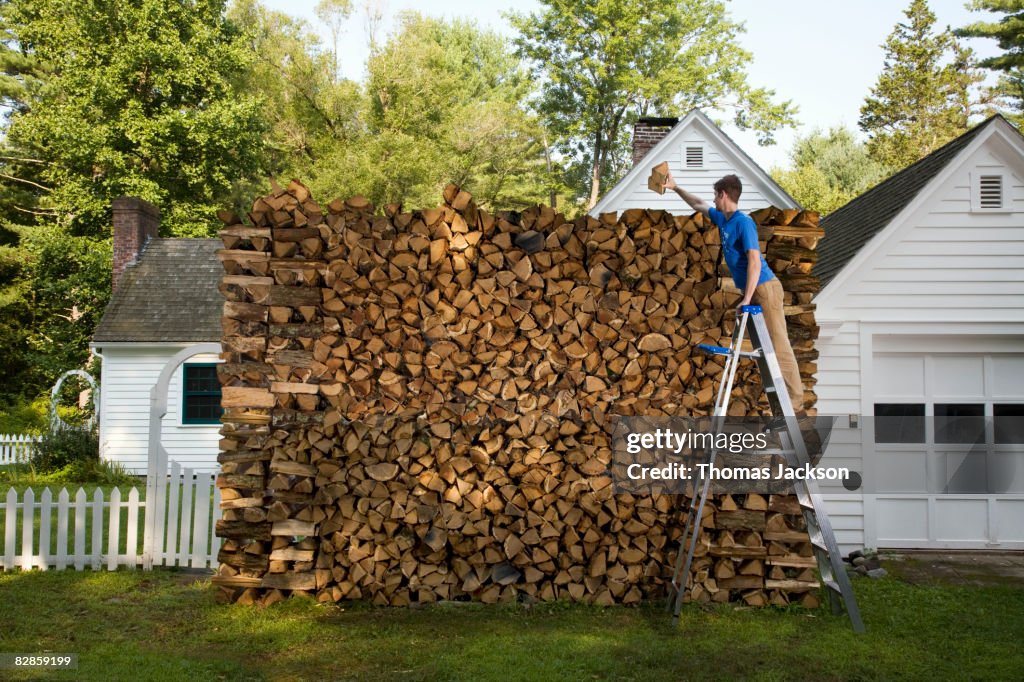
921,342
945,450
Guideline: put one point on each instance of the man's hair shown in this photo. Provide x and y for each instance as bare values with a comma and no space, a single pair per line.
731,185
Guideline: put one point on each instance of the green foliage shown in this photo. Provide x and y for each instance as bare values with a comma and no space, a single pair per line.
24,416
80,472
107,99
603,64
53,290
139,99
70,287
923,97
21,75
1009,34
62,447
828,170
308,110
445,106
442,103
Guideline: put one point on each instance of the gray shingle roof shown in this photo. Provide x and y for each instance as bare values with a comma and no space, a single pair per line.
169,295
849,228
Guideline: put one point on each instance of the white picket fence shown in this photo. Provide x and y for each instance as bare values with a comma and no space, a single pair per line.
183,524
16,448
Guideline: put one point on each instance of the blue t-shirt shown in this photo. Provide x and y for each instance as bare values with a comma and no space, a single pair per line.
739,235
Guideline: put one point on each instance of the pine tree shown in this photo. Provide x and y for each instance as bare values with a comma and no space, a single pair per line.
922,98
1009,33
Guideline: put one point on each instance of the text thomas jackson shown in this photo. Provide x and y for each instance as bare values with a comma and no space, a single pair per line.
675,471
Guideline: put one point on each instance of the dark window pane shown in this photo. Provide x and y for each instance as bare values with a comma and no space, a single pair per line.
1009,423
959,423
202,408
201,379
899,423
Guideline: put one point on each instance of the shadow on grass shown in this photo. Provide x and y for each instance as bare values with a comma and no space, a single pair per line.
166,625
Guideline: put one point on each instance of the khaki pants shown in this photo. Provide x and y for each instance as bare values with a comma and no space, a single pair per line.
769,297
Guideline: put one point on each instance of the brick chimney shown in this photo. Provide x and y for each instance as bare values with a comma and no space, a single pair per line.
135,222
647,132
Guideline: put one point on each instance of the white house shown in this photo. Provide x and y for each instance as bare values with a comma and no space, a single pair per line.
165,299
922,315
698,153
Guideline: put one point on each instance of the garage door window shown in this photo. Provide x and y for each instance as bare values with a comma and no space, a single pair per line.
899,423
1009,424
959,423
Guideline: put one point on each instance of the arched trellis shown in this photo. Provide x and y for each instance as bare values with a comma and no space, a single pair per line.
55,421
157,469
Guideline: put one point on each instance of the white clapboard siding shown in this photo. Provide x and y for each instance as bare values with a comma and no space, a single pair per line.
944,262
16,448
90,532
128,375
697,181
839,375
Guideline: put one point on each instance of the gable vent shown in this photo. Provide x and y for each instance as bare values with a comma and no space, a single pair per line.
695,157
990,191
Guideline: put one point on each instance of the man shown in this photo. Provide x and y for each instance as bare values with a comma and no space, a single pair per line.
750,272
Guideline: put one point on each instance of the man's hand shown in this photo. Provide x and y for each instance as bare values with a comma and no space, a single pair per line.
670,182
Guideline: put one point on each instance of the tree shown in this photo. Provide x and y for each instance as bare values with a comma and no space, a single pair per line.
21,74
604,63
828,170
309,110
443,105
104,99
922,98
333,14
140,98
1009,33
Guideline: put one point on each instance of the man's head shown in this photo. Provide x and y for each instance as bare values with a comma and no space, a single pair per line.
727,193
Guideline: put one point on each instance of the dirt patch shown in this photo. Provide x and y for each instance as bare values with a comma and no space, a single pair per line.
957,568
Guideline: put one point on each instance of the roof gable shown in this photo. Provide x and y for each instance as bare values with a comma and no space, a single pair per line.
170,295
850,228
738,162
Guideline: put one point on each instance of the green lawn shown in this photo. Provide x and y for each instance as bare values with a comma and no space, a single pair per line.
166,625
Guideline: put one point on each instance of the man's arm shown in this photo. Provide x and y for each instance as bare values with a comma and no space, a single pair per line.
695,202
753,274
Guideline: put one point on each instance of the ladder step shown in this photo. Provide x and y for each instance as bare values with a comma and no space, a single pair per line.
832,585
817,540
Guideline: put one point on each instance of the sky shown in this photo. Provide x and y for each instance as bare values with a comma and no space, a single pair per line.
823,55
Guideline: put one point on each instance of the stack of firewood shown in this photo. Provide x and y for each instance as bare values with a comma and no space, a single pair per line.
417,405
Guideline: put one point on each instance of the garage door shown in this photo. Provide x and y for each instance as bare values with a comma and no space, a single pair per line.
948,450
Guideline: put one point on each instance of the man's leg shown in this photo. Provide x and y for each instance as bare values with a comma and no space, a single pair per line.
769,297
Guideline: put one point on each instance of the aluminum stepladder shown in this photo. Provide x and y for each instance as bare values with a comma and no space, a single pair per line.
826,551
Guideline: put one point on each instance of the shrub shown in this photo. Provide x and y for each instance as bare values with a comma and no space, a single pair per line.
59,448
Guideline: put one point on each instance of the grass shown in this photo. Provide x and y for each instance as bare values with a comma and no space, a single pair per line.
167,625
